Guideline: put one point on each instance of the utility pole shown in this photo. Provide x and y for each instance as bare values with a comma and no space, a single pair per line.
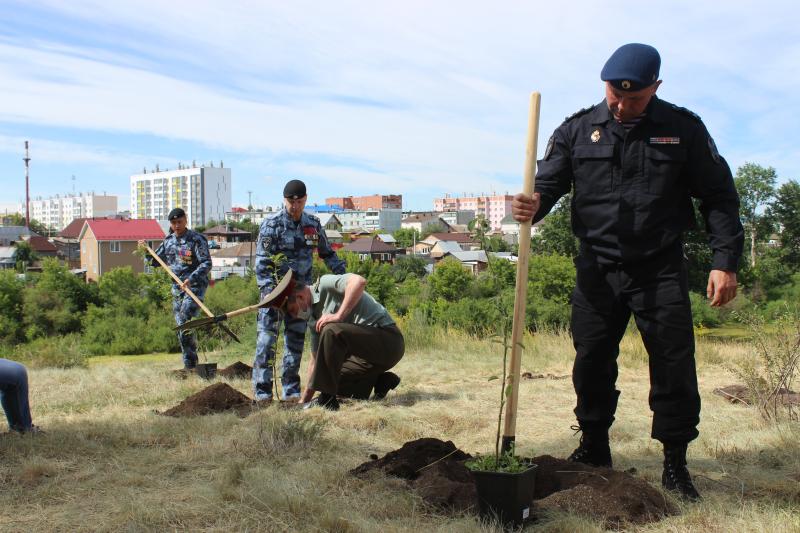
27,189
249,200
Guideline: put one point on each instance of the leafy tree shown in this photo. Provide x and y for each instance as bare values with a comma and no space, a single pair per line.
785,211
381,284
406,236
495,243
11,300
555,233
479,227
552,277
35,226
408,266
756,187
449,280
434,227
25,255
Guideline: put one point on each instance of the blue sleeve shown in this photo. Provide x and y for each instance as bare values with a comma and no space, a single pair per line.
264,262
200,274
328,254
161,252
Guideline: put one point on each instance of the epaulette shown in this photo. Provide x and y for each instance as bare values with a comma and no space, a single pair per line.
684,111
578,113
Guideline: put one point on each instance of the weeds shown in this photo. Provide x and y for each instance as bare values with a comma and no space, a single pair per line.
770,375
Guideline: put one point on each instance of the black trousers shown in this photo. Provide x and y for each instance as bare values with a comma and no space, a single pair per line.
657,294
350,358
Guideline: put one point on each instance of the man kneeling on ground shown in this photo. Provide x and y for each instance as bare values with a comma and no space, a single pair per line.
354,341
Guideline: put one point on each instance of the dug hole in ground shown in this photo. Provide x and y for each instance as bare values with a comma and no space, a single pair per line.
108,463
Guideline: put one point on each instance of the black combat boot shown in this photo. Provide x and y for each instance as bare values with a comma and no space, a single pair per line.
594,449
385,382
676,476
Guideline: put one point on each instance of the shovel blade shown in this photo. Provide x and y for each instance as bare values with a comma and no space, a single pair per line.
196,323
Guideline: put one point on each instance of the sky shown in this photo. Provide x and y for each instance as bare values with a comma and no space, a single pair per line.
419,98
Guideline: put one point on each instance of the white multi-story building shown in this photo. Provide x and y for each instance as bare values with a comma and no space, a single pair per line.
493,207
58,211
204,192
384,220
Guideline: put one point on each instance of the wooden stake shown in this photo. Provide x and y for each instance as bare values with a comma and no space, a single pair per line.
521,293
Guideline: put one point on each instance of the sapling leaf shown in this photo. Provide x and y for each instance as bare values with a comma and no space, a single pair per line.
509,388
492,378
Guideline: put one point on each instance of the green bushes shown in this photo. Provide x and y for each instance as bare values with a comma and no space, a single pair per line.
52,352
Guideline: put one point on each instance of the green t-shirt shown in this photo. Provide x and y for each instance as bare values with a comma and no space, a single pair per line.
328,294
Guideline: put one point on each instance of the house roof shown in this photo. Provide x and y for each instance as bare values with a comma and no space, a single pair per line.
333,234
447,247
41,244
387,238
14,233
368,245
73,229
243,249
325,218
421,217
477,256
509,219
7,254
124,229
457,237
238,210
224,230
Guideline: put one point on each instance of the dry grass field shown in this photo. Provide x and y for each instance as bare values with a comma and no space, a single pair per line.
108,462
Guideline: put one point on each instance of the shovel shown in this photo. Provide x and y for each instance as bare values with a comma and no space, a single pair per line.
188,291
268,301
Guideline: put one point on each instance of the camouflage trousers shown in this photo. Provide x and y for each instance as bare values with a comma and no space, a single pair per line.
294,334
184,309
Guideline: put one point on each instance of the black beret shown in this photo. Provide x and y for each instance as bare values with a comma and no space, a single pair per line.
294,189
176,213
632,67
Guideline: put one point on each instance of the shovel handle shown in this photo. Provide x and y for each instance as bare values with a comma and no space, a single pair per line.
177,280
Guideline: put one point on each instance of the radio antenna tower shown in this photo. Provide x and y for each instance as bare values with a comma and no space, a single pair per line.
27,190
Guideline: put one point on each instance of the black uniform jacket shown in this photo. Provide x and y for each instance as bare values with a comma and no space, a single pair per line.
633,190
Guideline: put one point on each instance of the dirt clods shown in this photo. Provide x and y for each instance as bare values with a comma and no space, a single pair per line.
742,395
217,398
236,370
611,496
435,469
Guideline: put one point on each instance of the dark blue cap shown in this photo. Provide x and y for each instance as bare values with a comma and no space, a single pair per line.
294,189
176,213
632,67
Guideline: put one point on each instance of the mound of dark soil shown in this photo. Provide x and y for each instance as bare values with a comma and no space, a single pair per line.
743,395
612,496
236,370
217,398
435,469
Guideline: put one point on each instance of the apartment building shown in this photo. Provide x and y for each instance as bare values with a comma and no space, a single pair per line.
493,207
204,192
363,203
58,211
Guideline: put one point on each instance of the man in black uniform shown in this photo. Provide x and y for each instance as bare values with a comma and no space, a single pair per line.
635,163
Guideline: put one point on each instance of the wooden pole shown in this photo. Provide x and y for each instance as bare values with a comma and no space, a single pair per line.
188,291
521,293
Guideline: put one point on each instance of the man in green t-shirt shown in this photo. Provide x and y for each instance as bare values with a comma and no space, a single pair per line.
354,341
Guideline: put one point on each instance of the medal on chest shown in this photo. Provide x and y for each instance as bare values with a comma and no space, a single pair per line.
311,236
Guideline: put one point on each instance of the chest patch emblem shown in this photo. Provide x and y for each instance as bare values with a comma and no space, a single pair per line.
595,136
665,140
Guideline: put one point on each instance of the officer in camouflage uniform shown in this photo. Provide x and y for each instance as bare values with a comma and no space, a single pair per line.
186,253
635,162
294,235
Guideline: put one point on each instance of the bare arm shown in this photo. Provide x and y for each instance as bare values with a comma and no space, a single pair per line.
352,294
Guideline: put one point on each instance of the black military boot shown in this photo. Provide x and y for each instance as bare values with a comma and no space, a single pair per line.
594,449
676,476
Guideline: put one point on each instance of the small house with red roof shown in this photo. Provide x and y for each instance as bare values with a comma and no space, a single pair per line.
111,243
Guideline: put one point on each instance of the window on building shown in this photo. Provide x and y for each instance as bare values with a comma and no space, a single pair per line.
116,247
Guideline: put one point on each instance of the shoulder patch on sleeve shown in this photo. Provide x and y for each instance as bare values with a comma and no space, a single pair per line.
688,113
578,113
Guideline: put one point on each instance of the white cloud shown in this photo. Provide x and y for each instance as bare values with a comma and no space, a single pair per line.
425,95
